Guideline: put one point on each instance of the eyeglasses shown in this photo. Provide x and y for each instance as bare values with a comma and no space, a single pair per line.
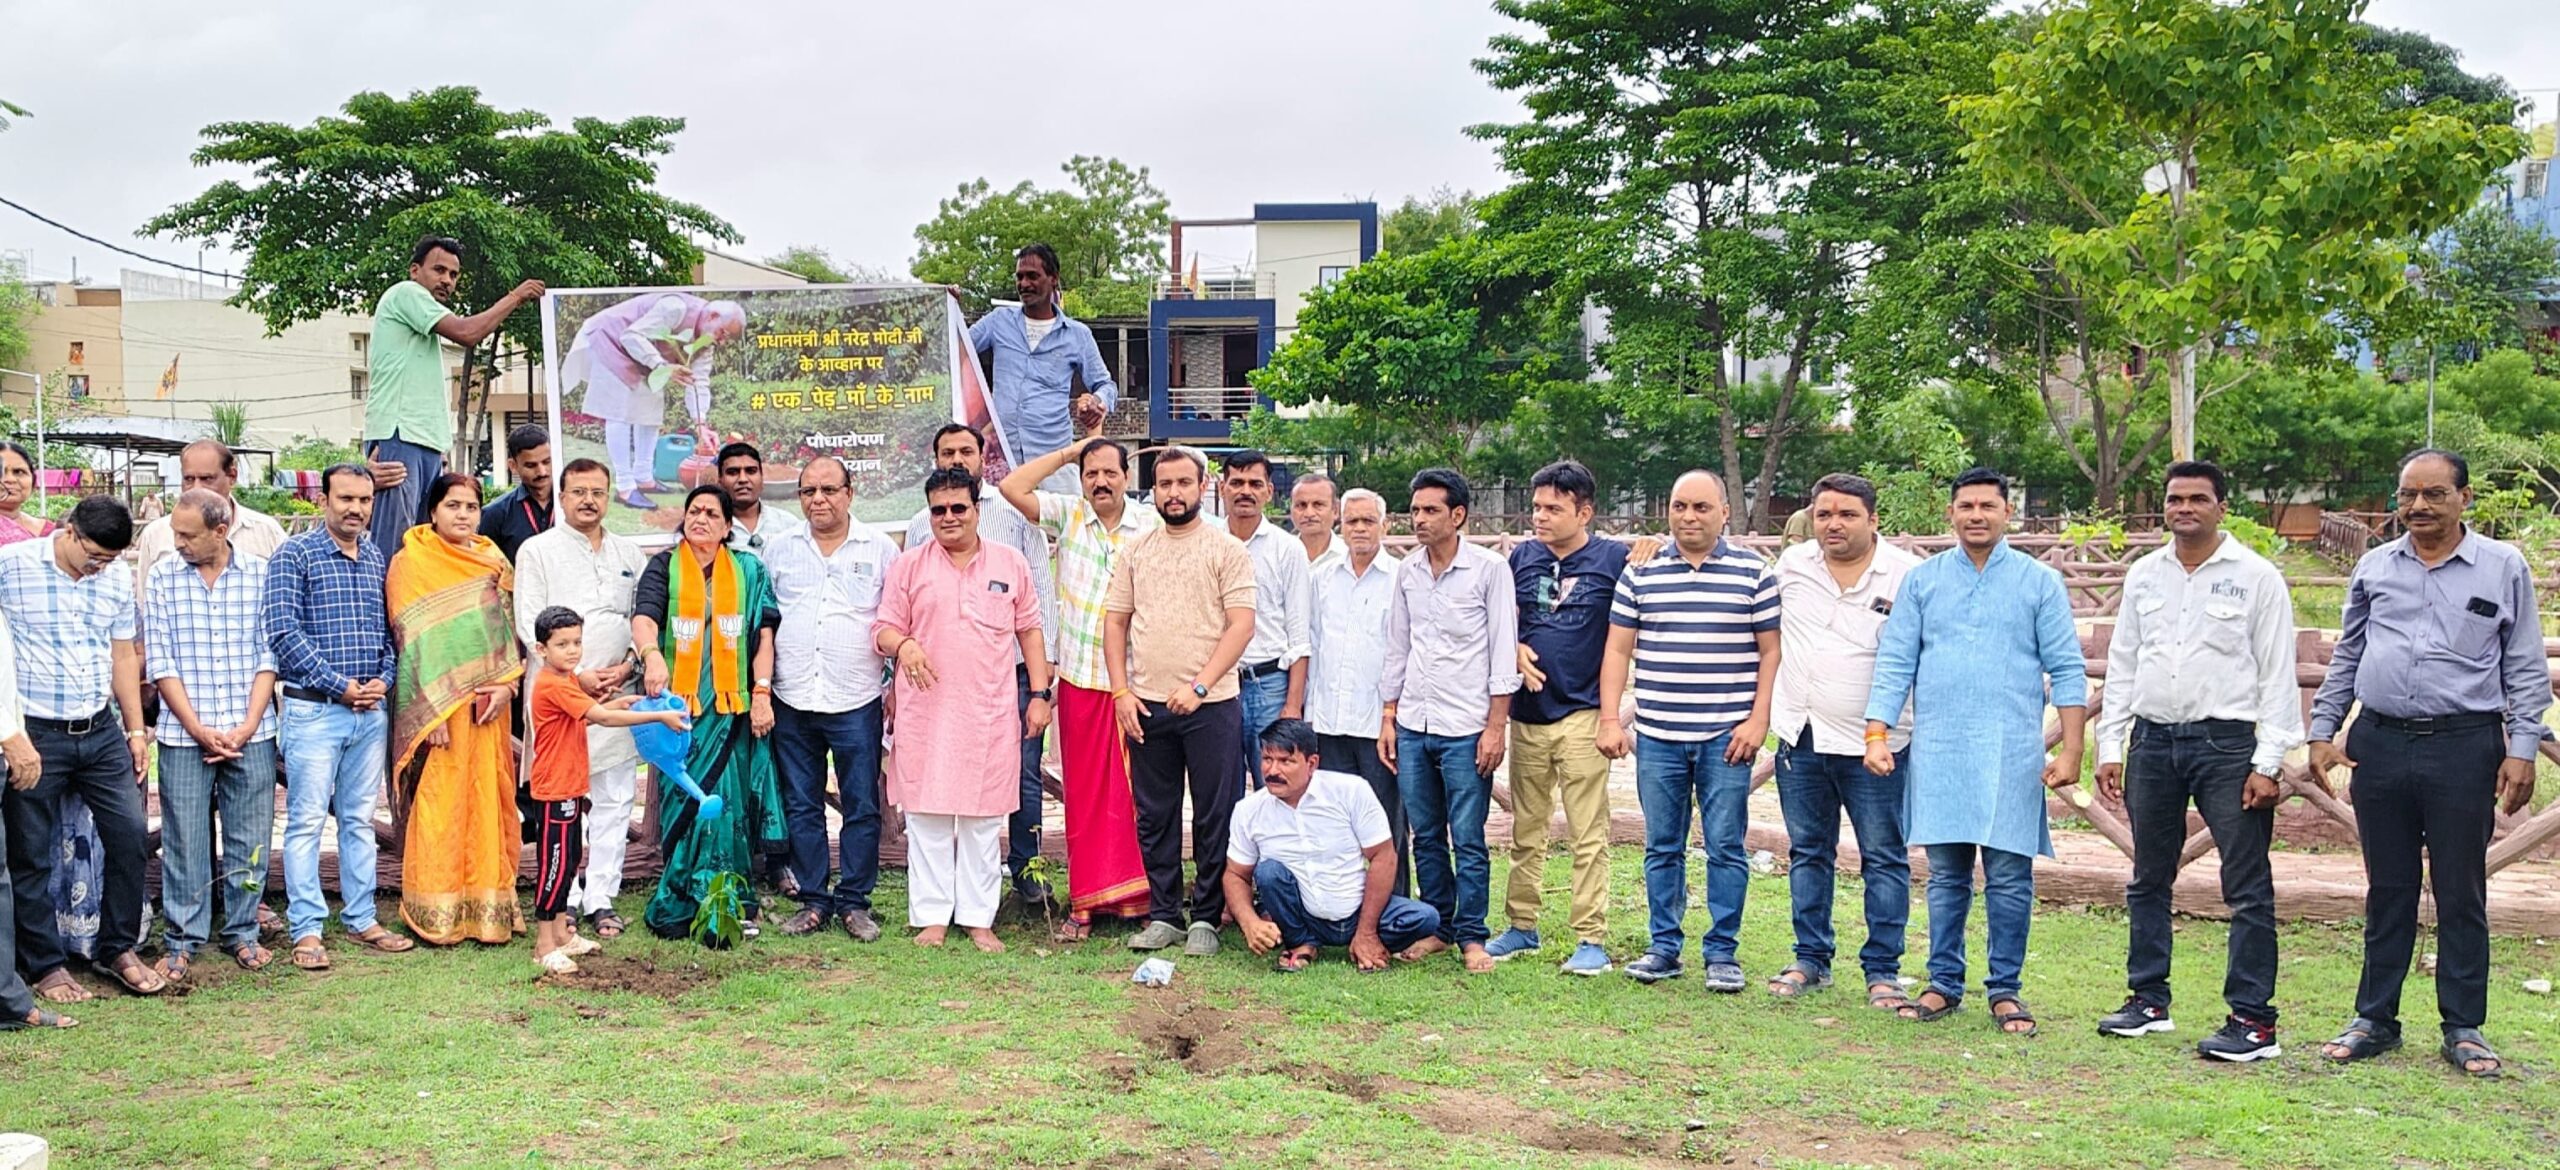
90,552
825,489
949,509
586,494
2433,495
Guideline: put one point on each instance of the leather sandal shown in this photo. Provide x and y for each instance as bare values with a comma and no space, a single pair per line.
39,1018
607,924
1887,996
59,987
309,955
2363,1040
1919,1010
136,975
375,937
2018,1013
2463,1046
252,956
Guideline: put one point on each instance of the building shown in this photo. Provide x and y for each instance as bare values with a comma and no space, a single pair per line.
1207,332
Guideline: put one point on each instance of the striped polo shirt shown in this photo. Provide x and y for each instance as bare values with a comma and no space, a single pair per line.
1697,660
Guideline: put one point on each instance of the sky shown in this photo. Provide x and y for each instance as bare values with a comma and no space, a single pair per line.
841,125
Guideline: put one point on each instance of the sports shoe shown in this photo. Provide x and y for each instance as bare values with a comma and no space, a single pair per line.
557,964
1654,968
1725,978
580,945
2241,1041
1156,937
1511,942
1586,959
2138,1017
1202,941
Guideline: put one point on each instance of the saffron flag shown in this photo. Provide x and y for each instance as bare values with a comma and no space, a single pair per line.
169,379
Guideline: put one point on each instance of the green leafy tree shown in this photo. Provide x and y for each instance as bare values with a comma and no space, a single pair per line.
820,268
2323,431
1419,223
18,308
2230,171
334,207
1734,170
1110,227
10,109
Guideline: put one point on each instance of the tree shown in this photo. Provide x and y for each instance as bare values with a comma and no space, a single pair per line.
2478,277
328,222
10,109
2232,172
18,309
1419,224
1110,228
1734,170
821,268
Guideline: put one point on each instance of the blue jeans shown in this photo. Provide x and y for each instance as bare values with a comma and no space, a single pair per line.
1260,699
2008,907
396,510
1671,775
243,792
1445,799
1812,790
333,762
1402,923
1022,831
802,741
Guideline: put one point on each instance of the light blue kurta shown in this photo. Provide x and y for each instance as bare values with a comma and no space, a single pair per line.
1973,649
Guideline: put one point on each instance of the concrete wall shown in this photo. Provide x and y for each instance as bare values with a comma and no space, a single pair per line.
299,382
1294,252
89,316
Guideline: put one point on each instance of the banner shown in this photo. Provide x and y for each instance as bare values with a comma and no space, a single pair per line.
652,382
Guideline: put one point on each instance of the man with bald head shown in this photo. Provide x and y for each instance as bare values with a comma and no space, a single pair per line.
209,465
207,653
1695,631
826,696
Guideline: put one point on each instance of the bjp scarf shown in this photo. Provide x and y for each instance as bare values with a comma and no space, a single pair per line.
721,615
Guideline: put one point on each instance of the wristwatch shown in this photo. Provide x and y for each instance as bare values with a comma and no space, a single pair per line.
1199,690
764,686
1048,694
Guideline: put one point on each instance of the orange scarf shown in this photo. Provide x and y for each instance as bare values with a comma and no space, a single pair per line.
691,615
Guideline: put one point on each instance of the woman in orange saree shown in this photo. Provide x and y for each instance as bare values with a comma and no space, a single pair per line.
450,598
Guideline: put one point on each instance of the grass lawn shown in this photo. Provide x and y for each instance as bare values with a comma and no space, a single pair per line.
817,1052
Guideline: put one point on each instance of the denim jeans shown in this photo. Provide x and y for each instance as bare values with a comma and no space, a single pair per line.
93,769
333,760
2209,762
396,509
1445,800
1671,776
1022,836
802,742
242,792
2008,907
1260,699
1813,788
1402,923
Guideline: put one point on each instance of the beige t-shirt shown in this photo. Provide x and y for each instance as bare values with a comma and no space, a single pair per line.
1177,588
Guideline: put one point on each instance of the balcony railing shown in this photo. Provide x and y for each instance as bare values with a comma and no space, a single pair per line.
1233,286
1208,403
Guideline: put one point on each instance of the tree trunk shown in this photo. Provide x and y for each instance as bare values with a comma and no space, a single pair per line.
1770,448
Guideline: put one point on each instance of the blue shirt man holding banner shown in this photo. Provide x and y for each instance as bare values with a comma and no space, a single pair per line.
1036,354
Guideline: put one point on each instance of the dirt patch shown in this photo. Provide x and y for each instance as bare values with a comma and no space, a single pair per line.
635,975
1473,1114
1201,1037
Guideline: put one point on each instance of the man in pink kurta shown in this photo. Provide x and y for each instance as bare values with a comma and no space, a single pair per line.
951,615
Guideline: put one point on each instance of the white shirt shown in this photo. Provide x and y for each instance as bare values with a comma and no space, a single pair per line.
559,566
2216,643
1320,840
1280,597
824,657
11,722
252,532
1453,641
771,526
1334,550
1349,627
1827,648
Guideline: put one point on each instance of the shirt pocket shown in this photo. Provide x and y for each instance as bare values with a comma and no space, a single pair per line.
991,611
2467,635
1861,625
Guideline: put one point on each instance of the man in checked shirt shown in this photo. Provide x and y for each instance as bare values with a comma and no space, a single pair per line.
332,639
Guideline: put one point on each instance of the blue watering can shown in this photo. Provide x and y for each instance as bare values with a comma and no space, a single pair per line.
665,748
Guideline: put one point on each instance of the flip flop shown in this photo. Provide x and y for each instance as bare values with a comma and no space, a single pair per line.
1292,962
309,955
252,957
135,975
40,1018
173,968
376,938
60,987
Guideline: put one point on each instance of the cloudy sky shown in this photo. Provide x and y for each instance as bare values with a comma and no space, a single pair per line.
838,124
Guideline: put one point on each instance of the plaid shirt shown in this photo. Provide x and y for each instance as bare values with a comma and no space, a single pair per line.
324,613
1085,552
65,630
210,639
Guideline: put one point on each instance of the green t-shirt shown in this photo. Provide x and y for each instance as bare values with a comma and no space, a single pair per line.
409,392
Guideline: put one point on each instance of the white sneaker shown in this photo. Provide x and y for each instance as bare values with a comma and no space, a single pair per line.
580,944
557,963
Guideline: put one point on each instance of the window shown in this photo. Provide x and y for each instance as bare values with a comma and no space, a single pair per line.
2537,179
79,387
356,380
79,353
356,343
1328,274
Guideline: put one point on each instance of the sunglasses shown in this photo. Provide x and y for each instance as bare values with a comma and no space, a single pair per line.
949,509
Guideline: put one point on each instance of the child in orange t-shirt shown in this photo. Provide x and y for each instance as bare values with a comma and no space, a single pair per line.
562,709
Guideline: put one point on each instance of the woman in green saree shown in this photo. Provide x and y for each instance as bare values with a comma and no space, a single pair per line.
704,619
